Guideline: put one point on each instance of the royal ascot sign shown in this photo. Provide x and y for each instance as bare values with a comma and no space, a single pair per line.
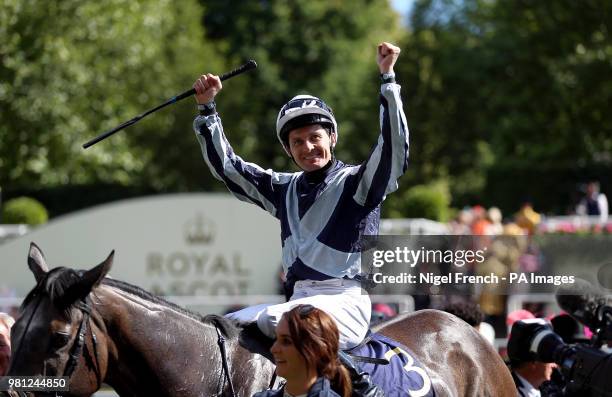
190,271
186,244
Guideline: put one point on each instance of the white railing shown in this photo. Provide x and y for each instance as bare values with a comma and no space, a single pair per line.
515,302
412,227
10,231
572,223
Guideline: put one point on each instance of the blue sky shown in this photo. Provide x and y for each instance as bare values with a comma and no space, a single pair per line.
402,6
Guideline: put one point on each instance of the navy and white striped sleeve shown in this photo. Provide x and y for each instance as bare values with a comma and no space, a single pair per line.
388,160
246,181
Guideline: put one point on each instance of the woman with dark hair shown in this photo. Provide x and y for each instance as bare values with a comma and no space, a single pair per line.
306,355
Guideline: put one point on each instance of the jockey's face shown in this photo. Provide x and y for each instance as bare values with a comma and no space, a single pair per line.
311,146
289,362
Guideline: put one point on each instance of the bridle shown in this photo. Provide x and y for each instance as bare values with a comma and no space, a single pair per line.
77,348
79,342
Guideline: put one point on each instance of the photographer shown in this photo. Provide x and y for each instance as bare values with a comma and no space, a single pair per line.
528,373
585,368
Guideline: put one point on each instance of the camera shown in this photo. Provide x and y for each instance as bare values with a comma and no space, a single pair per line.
586,369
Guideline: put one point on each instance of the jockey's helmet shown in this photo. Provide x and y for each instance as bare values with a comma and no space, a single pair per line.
300,111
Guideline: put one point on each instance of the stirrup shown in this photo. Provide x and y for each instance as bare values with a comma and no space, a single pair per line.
362,384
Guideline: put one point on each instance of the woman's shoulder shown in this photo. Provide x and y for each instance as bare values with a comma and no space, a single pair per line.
269,393
322,388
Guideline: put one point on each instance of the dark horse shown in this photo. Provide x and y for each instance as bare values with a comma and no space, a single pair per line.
96,329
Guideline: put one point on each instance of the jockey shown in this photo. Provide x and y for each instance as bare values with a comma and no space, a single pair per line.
325,209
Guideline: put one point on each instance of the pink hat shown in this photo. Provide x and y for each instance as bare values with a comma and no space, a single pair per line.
384,309
518,315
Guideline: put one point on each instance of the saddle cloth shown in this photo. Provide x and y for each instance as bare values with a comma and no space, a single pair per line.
403,376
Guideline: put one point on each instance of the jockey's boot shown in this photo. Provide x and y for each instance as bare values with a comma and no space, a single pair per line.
254,340
362,384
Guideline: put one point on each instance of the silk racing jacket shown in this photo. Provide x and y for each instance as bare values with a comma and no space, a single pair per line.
323,214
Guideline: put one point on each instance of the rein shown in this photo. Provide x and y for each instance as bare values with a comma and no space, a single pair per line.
221,343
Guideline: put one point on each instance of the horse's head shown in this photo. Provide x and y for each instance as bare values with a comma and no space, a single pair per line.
57,334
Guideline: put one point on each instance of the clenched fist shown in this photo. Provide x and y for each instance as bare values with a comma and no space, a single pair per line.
386,57
206,87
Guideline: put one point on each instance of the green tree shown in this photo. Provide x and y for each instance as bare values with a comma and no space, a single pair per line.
502,89
429,201
72,69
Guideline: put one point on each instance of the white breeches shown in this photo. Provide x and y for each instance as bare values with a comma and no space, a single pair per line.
342,299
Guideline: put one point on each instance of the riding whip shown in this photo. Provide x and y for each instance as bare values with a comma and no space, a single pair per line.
251,64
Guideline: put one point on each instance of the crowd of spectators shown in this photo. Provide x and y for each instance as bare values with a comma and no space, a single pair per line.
479,221
512,247
590,214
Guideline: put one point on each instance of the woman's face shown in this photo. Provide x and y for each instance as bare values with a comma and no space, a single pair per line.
289,362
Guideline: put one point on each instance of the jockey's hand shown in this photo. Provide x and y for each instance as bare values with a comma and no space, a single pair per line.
206,87
386,57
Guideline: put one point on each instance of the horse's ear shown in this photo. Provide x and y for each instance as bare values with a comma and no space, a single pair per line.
37,262
93,277
87,281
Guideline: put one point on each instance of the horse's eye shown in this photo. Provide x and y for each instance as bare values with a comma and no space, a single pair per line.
59,339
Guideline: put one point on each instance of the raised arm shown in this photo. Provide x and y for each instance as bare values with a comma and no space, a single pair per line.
246,181
388,159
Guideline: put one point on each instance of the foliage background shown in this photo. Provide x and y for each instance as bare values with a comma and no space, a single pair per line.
506,101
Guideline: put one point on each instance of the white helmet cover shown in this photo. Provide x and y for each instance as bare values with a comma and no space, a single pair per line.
302,105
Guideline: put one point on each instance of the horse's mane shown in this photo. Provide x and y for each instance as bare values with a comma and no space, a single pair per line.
146,295
226,326
57,284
